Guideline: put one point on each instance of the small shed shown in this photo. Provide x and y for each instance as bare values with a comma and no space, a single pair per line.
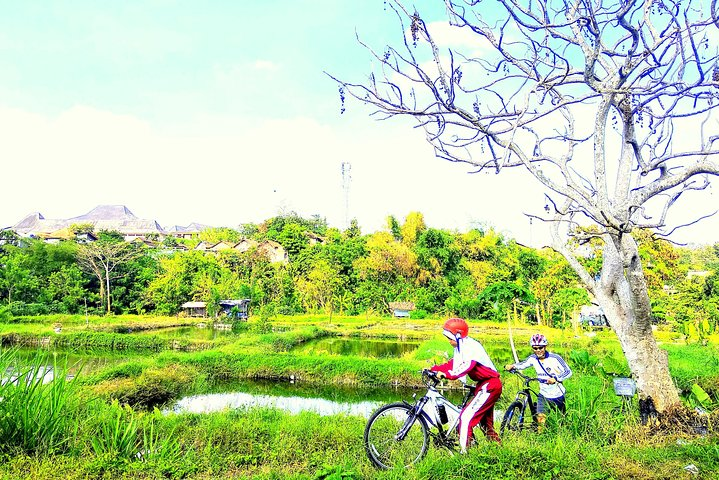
195,309
593,316
235,309
401,309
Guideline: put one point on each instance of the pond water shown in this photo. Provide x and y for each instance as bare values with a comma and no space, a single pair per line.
186,333
295,398
68,361
362,347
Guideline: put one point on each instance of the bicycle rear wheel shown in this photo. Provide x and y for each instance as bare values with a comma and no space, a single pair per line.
384,449
513,420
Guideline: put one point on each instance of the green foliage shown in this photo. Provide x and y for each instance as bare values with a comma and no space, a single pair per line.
117,436
123,437
701,396
153,387
37,405
336,473
498,299
583,361
283,342
41,278
477,274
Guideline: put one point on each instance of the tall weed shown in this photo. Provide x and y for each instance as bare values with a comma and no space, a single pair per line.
125,436
117,437
37,405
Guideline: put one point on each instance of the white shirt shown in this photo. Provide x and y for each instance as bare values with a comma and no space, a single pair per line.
551,366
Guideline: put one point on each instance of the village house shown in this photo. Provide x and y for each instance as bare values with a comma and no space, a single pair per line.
401,309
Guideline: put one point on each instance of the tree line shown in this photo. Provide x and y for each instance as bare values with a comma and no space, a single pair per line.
477,274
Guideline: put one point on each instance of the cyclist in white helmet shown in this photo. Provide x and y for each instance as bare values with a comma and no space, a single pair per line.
551,370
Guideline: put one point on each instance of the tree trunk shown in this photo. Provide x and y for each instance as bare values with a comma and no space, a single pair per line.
102,289
622,294
107,280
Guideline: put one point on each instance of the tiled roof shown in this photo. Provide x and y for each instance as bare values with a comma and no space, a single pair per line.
103,217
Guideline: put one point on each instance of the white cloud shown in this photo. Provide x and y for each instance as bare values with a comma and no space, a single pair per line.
66,165
462,39
266,65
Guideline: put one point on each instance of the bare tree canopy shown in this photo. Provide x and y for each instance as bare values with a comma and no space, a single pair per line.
609,104
101,259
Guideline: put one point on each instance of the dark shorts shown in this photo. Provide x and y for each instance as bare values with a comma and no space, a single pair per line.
545,404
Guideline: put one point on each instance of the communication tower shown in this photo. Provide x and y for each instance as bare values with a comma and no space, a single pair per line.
346,179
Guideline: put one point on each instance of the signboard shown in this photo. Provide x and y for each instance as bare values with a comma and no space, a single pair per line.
625,386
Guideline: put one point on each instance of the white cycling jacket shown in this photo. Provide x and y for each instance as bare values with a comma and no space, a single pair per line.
551,366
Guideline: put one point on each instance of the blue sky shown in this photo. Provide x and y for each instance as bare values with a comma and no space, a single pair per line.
219,112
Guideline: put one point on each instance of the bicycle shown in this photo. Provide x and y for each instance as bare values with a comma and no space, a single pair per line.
398,434
515,418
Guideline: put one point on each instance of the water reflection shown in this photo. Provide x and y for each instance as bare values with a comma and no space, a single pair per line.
43,373
299,397
186,333
215,402
71,362
362,347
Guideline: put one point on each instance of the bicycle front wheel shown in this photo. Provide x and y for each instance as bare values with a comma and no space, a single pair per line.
513,420
383,444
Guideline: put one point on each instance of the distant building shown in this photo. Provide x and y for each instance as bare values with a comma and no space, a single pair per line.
103,217
195,309
401,309
245,244
220,246
67,234
314,238
593,316
236,309
190,231
274,251
202,246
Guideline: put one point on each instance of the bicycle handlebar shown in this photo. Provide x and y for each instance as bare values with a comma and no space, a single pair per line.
525,377
431,376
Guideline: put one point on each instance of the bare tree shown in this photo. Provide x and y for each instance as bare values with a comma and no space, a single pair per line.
101,259
608,104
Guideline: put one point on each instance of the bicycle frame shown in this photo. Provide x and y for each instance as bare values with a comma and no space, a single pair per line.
516,413
525,397
429,408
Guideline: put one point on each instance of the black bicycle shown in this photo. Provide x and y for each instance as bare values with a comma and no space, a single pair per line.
398,434
522,412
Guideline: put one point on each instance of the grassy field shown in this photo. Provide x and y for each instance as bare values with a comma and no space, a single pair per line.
106,423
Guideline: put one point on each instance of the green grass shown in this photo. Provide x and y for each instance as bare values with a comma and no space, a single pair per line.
84,431
266,443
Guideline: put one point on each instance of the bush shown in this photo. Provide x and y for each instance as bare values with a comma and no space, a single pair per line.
5,314
28,309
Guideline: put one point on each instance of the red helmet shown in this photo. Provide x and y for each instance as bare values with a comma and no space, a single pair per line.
456,327
538,340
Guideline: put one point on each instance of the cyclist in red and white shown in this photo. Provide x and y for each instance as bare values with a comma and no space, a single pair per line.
471,360
551,370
